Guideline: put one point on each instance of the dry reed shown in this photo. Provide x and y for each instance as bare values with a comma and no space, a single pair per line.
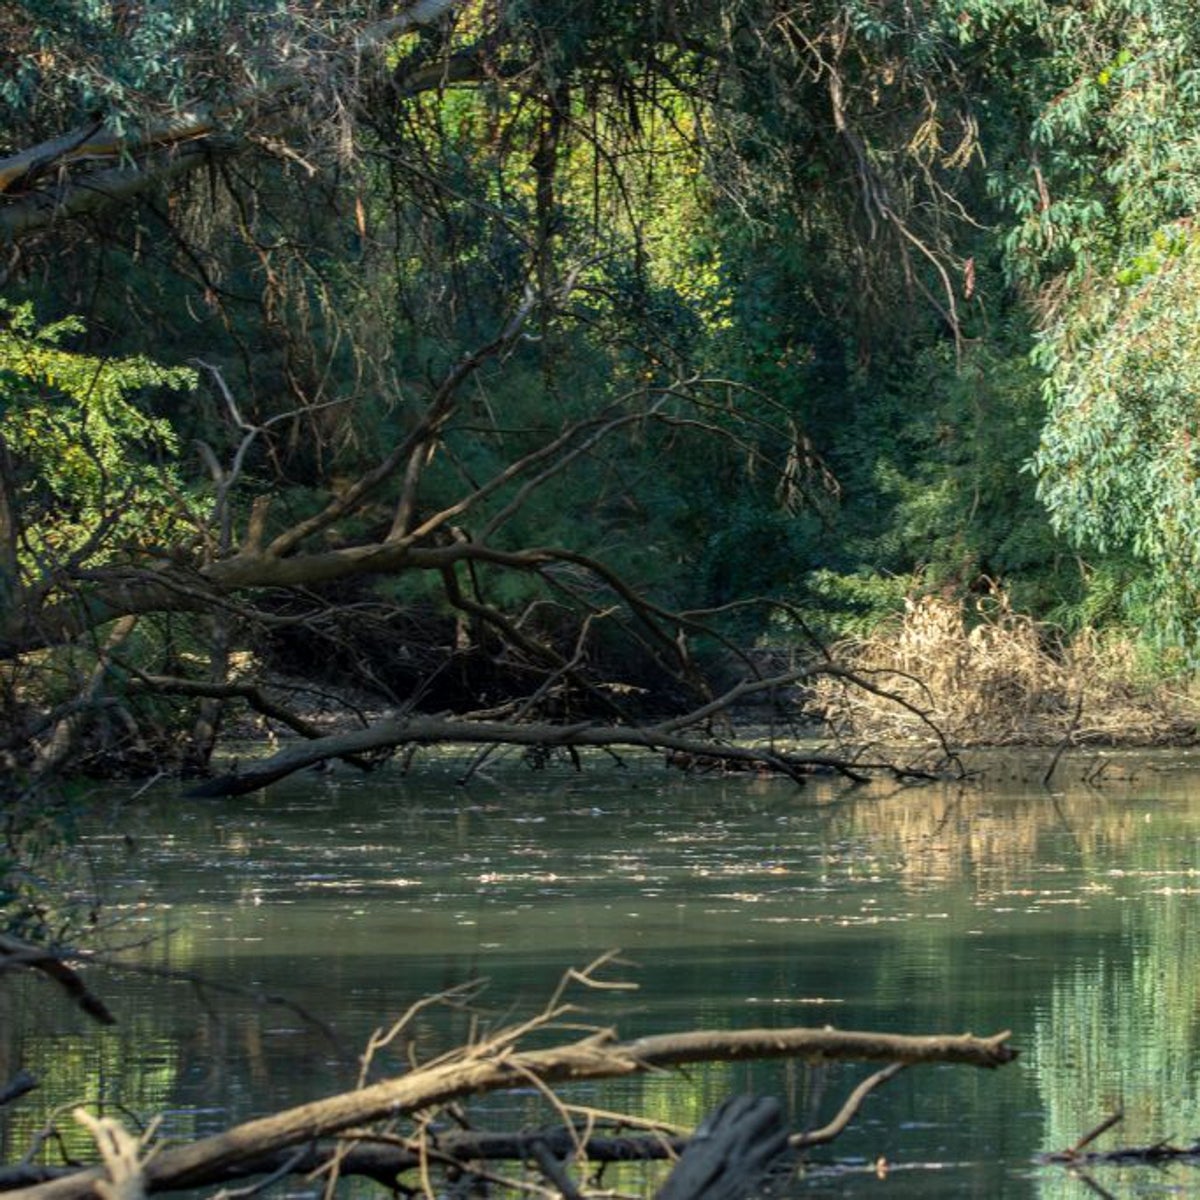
988,676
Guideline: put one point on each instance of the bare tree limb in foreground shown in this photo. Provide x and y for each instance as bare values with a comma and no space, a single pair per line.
385,1129
498,1064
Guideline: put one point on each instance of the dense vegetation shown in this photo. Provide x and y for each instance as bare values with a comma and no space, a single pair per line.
541,359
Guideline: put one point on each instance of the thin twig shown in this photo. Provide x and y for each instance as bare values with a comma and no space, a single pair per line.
819,1137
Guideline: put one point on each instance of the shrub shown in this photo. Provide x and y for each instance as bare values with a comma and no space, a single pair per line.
986,675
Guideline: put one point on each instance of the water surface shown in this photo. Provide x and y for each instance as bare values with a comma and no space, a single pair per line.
1068,916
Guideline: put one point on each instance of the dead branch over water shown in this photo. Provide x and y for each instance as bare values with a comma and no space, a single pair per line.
15,953
491,1066
677,736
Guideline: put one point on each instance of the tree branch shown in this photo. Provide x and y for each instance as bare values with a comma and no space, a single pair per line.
497,1065
415,729
853,1102
162,152
16,953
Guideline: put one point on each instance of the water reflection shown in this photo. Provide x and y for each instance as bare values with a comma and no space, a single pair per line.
1066,916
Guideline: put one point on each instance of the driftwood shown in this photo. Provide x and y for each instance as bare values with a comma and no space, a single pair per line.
1078,1156
1155,1154
500,1064
744,1141
121,1153
384,1161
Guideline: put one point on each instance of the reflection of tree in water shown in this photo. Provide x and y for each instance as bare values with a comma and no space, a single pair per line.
1123,1032
995,834
179,1051
132,1067
1117,1022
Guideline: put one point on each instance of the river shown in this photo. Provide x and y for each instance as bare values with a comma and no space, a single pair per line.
1068,915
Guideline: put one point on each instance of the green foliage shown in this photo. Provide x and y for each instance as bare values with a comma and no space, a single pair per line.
1092,148
87,456
1111,144
68,60
855,603
930,453
721,221
1117,464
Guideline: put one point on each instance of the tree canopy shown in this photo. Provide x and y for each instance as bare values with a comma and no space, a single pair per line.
548,361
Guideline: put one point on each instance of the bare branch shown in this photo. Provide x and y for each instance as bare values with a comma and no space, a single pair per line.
16,953
418,729
495,1066
848,1111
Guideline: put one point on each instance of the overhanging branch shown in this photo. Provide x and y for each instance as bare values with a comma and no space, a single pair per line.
80,171
669,735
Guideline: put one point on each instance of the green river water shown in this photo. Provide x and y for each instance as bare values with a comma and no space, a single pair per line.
1070,916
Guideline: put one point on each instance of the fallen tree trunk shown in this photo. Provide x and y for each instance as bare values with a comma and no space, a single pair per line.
444,731
383,1163
671,735
738,1143
497,1065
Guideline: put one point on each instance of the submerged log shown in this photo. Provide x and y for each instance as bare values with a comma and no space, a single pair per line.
1127,1156
1078,1157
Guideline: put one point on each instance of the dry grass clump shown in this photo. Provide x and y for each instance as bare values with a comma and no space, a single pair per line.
987,676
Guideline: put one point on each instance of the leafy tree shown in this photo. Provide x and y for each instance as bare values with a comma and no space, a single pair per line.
1117,463
80,477
524,328
1101,235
